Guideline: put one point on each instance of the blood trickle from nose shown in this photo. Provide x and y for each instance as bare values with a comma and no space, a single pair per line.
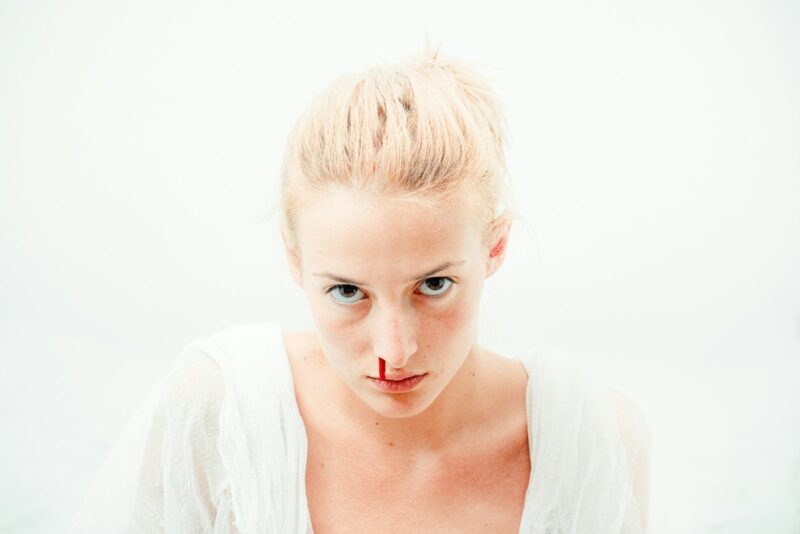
382,368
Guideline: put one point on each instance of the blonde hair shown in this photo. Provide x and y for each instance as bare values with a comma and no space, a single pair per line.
424,129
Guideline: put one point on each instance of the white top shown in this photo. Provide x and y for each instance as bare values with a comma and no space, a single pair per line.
219,446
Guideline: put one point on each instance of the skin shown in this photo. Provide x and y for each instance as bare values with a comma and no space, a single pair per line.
385,244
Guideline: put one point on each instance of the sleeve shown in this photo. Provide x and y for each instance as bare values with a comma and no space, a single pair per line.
165,473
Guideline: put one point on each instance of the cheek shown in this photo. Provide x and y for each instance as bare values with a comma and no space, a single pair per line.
338,329
330,318
455,320
450,318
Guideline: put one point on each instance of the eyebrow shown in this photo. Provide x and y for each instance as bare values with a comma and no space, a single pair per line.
343,280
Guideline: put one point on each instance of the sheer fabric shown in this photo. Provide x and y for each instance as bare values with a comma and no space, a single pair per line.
218,446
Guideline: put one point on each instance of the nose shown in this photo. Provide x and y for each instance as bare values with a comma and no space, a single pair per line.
394,338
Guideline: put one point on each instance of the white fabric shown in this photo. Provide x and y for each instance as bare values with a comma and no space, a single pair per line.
218,446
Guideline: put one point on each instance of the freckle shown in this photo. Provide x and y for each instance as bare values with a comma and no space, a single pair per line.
473,373
391,443
377,423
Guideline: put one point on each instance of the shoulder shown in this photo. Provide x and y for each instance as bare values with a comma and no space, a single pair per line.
236,350
242,372
195,377
191,401
207,368
241,340
587,440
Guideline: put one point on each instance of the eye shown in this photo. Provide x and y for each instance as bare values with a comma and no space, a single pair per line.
348,293
438,285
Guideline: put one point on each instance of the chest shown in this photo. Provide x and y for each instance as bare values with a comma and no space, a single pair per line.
469,494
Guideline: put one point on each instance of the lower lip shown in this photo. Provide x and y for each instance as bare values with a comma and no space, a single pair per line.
399,386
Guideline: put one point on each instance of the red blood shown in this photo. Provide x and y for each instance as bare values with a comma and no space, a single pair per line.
382,368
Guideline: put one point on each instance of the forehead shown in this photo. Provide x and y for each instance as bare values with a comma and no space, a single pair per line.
353,230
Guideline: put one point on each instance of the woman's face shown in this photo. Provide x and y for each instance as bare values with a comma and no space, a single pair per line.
396,279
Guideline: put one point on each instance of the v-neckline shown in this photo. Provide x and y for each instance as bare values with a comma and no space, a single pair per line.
530,392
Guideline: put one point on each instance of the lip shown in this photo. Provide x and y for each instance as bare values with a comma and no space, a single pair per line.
397,385
398,378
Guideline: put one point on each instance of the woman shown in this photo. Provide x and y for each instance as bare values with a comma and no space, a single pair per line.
388,416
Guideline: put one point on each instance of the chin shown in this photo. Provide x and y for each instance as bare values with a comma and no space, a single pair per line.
392,409
398,406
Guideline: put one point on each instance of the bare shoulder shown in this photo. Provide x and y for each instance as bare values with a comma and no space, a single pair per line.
511,370
636,436
508,385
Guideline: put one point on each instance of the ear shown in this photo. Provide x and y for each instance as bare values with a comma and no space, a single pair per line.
293,258
497,245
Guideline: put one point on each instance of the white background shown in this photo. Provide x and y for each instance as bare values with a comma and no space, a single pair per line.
654,155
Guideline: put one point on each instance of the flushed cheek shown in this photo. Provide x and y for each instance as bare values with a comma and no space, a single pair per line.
455,317
452,332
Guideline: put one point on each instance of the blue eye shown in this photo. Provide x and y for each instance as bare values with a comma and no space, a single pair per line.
348,293
438,284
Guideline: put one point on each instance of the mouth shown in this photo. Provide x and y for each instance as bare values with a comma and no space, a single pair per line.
398,378
397,384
